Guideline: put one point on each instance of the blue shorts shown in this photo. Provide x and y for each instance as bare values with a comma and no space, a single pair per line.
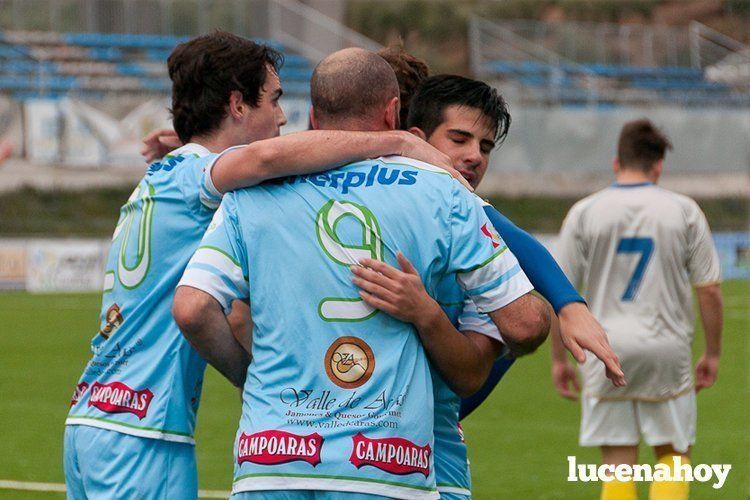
304,495
104,464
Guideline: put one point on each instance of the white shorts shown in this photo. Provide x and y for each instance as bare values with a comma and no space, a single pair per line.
623,423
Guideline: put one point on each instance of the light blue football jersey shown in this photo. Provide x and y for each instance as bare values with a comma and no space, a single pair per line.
144,379
452,472
338,396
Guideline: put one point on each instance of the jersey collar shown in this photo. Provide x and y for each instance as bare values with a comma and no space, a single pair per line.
190,148
633,185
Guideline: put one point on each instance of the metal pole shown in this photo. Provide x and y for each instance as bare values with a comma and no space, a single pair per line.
695,45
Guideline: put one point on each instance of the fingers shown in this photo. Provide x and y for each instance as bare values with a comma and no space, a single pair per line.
561,385
376,302
601,349
612,365
381,267
575,350
372,276
375,289
170,142
463,181
406,266
576,384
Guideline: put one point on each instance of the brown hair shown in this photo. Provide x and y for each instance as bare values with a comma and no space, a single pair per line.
206,69
410,73
641,145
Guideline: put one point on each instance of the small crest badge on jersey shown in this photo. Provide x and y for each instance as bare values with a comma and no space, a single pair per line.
349,362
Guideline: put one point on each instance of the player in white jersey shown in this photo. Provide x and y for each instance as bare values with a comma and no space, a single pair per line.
131,422
638,250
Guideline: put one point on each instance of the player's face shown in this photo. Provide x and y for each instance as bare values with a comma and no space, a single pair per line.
266,120
468,139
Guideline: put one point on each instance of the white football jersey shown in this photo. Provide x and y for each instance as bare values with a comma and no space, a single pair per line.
636,249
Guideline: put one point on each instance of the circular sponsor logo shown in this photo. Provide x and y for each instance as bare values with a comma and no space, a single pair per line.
349,362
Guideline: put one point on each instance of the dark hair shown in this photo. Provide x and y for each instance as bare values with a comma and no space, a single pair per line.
410,72
440,91
641,145
205,70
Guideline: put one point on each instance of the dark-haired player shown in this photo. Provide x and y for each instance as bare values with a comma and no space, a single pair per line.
465,119
339,398
129,433
638,250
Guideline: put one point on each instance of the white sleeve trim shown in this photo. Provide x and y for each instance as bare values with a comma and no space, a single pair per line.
213,285
210,195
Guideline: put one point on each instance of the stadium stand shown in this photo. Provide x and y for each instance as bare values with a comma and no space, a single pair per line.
607,68
89,65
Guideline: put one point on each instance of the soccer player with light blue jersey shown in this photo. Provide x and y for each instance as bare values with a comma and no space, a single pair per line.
338,398
130,428
465,119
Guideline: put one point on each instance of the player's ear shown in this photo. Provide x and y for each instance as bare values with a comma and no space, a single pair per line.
313,121
658,167
391,113
237,106
616,166
418,132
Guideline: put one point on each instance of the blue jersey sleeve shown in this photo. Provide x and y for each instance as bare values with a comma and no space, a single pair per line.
499,369
219,266
538,264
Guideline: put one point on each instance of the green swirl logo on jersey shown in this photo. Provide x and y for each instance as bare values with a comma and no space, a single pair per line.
370,246
132,275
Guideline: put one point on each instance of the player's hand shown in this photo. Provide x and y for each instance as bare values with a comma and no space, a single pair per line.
706,372
419,149
398,293
158,143
580,331
565,378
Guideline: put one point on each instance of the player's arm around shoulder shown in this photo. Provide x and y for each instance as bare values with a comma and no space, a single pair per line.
315,151
464,360
203,323
215,278
492,277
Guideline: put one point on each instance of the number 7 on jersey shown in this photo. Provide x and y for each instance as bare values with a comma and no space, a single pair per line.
643,246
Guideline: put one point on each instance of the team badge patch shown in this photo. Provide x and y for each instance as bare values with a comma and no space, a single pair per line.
349,362
490,233
113,320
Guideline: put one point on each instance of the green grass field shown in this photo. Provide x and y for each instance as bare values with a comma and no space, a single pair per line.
518,440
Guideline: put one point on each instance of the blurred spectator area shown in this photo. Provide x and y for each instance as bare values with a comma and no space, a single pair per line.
610,64
90,65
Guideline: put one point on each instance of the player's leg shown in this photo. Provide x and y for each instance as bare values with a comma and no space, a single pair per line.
616,455
116,465
669,426
613,427
73,479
